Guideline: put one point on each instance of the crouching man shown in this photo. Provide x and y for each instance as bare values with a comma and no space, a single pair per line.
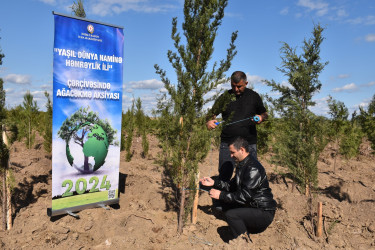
246,199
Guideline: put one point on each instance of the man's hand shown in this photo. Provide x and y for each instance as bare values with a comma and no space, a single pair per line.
262,117
259,119
211,124
214,193
207,181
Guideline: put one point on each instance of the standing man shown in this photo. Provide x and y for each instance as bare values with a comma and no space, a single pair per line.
237,104
247,199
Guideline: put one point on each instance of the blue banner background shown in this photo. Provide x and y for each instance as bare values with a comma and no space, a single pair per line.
73,38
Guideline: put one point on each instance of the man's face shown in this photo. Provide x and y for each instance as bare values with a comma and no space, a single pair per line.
238,155
238,88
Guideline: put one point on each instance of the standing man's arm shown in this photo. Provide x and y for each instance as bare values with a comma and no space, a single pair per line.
262,118
260,109
210,124
217,108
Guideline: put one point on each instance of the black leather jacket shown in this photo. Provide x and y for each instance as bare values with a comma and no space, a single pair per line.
249,187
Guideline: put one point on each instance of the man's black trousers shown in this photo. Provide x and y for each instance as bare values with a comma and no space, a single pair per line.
247,219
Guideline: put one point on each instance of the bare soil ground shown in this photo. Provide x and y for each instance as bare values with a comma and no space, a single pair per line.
146,219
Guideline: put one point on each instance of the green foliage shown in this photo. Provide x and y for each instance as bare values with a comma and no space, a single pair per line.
141,121
122,141
129,124
1,57
4,151
184,138
2,101
165,140
10,180
220,104
266,130
367,121
2,92
47,133
78,9
139,117
299,141
4,156
30,111
145,144
15,117
351,139
152,125
298,149
339,114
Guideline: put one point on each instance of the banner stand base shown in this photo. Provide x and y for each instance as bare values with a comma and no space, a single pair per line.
71,210
73,214
103,206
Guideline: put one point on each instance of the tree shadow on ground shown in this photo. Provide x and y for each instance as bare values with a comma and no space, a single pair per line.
282,178
23,195
368,200
18,166
170,196
335,192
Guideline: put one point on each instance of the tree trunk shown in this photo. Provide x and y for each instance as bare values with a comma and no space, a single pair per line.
182,201
5,137
9,202
307,186
182,211
4,199
29,134
196,199
307,189
336,152
86,166
7,205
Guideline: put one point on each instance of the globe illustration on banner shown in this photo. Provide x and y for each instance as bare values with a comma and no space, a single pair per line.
87,147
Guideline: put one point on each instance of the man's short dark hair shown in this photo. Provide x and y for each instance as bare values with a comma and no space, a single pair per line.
237,76
239,142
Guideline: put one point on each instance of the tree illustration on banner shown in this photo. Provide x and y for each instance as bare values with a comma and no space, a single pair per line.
85,129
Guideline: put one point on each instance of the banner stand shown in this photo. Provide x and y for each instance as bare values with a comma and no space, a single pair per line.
88,61
72,214
70,210
103,206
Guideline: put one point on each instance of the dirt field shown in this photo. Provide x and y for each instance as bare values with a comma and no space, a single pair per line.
145,218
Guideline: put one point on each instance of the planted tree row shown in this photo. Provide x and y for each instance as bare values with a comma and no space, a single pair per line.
295,135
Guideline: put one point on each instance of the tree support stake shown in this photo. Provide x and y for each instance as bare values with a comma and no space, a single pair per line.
319,231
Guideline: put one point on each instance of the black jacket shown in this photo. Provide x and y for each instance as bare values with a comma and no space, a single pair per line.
249,187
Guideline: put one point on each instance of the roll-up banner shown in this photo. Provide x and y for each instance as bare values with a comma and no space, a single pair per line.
87,107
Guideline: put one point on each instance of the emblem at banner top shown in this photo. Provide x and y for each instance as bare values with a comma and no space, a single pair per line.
90,28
